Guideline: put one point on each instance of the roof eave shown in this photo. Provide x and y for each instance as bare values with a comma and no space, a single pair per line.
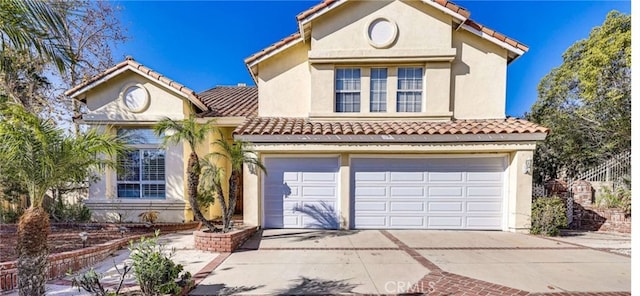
436,138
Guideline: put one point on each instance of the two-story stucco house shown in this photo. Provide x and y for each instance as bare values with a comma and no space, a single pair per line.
375,114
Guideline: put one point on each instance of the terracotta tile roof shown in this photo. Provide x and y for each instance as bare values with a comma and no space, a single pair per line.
444,3
303,126
272,47
303,15
454,7
130,62
494,34
230,101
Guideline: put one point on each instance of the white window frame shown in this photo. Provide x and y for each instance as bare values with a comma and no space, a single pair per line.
141,148
381,104
355,92
413,91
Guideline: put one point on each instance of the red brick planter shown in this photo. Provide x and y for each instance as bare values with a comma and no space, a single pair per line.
222,242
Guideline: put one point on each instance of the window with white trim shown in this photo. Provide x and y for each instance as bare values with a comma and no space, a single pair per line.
347,90
378,97
141,172
409,94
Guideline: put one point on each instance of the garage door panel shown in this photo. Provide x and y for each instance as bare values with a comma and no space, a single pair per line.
318,177
405,206
445,177
315,192
484,176
435,193
445,192
290,176
451,207
484,207
406,221
407,176
473,192
371,221
371,192
483,222
444,222
371,176
407,192
371,206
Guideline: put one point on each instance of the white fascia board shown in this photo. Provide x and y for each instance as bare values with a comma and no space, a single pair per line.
99,81
274,52
495,40
317,14
437,6
391,138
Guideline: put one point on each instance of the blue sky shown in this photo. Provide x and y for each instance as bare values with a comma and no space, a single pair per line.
203,43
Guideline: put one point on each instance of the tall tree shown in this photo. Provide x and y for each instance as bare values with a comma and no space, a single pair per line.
586,102
193,134
94,31
238,153
40,157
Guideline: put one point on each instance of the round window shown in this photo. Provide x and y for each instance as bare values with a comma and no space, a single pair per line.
135,98
382,32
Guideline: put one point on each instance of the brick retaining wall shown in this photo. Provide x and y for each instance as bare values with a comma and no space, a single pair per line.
75,260
222,242
595,219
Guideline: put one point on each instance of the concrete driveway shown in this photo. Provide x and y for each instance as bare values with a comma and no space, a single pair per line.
402,261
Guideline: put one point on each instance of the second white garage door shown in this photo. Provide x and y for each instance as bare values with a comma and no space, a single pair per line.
432,193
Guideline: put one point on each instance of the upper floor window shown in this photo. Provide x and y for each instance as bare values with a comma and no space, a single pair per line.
141,171
378,98
348,90
409,95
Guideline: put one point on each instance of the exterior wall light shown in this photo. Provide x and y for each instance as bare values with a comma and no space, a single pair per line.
527,168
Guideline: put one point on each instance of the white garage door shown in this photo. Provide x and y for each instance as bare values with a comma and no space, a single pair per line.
434,193
301,193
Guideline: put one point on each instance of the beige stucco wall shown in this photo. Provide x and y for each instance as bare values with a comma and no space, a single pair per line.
464,74
517,206
105,104
284,85
519,192
344,28
479,78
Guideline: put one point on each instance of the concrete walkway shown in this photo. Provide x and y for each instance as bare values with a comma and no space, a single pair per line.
399,261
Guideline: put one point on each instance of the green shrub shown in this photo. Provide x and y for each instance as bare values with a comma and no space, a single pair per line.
620,198
70,212
9,215
548,215
154,270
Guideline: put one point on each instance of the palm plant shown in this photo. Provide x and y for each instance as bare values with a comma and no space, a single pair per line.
238,153
36,25
39,156
193,133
